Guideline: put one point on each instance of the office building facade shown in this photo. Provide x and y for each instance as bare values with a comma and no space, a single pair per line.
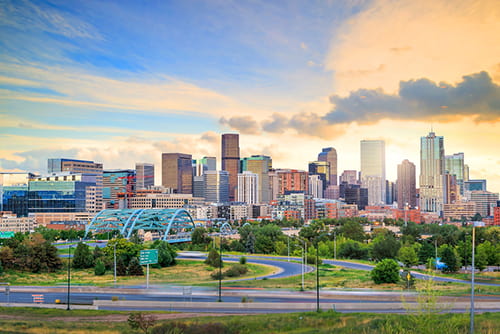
145,175
454,165
231,160
177,172
248,188
329,155
431,173
406,185
14,188
119,185
216,186
260,165
373,170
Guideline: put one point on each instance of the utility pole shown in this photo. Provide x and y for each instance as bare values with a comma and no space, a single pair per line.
114,260
69,276
220,269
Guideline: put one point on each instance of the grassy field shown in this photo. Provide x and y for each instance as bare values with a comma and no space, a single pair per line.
185,272
25,320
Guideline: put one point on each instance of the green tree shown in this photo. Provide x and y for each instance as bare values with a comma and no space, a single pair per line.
449,257
490,253
353,250
386,271
199,237
166,254
385,246
353,230
124,249
411,232
426,252
121,267
214,259
250,243
99,269
134,268
408,256
82,257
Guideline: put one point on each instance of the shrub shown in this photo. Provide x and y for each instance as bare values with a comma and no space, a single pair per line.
243,260
236,270
214,259
134,268
216,275
139,320
386,271
99,269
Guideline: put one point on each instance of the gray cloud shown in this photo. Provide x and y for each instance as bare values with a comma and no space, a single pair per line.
244,124
476,95
35,160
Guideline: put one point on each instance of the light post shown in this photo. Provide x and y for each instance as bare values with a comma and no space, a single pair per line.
474,224
69,276
220,268
303,259
317,270
114,260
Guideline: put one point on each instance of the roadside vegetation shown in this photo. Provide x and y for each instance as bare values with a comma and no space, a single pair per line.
26,320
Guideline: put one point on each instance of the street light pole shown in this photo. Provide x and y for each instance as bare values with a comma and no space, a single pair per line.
220,269
317,277
69,277
472,282
114,260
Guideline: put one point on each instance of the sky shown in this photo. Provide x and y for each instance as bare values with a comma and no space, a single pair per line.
121,82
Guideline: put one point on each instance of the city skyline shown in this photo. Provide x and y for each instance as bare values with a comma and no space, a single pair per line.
77,82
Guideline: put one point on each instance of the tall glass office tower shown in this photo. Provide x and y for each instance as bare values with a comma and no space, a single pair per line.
373,170
231,160
329,155
431,172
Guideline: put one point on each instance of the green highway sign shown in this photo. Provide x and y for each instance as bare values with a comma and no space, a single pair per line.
148,256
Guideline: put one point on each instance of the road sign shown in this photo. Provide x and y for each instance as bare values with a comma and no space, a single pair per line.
148,256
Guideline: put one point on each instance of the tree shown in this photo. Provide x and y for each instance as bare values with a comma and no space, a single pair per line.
214,259
200,237
408,256
449,258
139,320
411,231
386,271
134,268
166,254
385,246
353,230
426,252
82,258
99,269
353,250
121,268
250,243
490,252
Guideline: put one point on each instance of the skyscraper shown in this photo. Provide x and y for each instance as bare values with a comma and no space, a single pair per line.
431,172
260,165
454,164
315,186
177,172
373,170
349,176
407,185
248,185
216,186
329,155
231,160
80,166
118,183
322,169
145,175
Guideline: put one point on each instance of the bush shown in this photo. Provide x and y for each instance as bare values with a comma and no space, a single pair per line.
134,268
139,320
216,275
243,260
386,271
99,269
236,270
192,328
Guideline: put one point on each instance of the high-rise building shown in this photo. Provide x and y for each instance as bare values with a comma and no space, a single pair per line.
454,164
496,214
62,192
406,185
177,172
248,186
354,194
216,186
373,170
204,164
451,189
485,202
260,165
322,169
431,173
292,180
14,189
390,192
231,160
329,155
80,166
315,186
349,176
145,175
118,184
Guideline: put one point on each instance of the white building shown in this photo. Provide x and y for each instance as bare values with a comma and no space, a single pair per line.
248,188
373,170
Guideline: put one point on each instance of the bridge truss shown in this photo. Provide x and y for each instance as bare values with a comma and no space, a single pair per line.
174,225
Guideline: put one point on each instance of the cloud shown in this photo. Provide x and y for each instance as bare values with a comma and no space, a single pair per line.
26,15
244,124
476,95
435,39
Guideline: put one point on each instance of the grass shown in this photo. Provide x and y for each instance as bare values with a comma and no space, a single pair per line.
82,321
186,271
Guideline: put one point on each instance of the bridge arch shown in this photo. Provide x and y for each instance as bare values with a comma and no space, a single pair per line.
164,221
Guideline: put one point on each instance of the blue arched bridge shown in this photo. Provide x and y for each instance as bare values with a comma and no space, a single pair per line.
173,225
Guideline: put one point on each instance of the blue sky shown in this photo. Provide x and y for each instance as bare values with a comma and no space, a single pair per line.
124,81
